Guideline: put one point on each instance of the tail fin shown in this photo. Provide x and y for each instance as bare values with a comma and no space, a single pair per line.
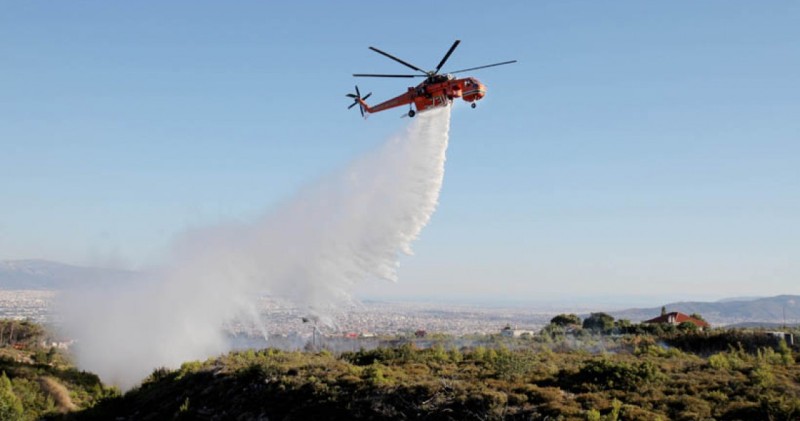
358,100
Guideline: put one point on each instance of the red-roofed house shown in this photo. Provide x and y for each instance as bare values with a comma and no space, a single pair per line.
676,318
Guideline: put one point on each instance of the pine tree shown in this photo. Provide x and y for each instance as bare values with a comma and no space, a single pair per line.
10,405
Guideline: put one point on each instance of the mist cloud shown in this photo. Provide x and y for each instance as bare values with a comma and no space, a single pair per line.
348,228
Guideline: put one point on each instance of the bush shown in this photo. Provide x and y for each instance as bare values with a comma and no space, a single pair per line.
599,322
762,376
512,365
719,361
10,405
781,407
374,374
786,353
565,320
604,374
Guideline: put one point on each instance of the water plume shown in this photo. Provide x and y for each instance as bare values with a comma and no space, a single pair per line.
350,227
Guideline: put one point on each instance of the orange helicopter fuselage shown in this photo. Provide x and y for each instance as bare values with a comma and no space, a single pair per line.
437,91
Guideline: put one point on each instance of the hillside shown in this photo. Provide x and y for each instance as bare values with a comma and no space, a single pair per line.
727,312
723,374
635,379
47,275
37,380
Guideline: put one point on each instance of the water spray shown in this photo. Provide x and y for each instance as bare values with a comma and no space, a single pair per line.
349,228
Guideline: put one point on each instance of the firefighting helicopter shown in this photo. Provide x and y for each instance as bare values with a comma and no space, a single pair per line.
437,90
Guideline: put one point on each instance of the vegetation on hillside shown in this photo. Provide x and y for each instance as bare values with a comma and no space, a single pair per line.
553,377
601,370
36,380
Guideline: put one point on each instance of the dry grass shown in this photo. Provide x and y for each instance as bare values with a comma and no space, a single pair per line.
58,392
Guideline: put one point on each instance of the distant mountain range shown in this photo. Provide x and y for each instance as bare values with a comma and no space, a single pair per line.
47,275
728,311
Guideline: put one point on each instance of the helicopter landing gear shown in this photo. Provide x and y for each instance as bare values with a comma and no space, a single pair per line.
473,105
411,113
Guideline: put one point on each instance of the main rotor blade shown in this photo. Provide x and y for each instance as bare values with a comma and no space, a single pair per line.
447,56
398,60
483,67
374,75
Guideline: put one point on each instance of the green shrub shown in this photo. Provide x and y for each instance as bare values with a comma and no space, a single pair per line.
511,365
786,353
719,361
605,374
374,374
10,405
762,376
188,368
478,354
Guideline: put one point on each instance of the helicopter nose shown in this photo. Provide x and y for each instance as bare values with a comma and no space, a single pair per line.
475,94
481,91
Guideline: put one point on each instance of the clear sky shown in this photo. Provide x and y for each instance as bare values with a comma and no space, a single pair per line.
644,147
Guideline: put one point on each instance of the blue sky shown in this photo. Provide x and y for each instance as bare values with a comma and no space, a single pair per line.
644,147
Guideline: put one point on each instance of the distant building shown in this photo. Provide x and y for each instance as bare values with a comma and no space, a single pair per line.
60,344
676,318
421,333
788,337
515,333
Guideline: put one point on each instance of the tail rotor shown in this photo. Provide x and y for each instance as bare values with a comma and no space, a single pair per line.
358,100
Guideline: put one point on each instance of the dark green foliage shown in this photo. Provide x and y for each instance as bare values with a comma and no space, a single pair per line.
706,343
598,322
697,316
42,356
566,320
21,333
604,374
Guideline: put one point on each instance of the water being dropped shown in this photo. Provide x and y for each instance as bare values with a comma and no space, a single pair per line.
350,227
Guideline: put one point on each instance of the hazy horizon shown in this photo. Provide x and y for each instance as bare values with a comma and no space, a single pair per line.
382,291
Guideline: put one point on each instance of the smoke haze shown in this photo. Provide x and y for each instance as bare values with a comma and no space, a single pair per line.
348,228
